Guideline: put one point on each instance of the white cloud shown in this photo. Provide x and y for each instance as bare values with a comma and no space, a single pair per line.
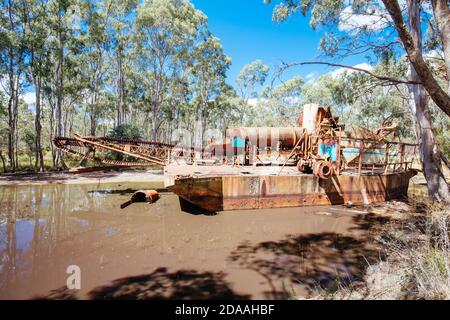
293,100
426,6
433,54
341,71
253,102
373,21
311,77
29,98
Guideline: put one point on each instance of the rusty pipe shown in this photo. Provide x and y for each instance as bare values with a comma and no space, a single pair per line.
323,169
149,196
145,196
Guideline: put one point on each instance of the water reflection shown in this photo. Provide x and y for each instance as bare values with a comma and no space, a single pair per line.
36,221
46,228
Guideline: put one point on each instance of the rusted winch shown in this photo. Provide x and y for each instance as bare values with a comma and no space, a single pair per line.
149,196
323,169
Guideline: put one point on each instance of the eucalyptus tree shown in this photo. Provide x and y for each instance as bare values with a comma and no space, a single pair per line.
95,47
27,134
249,78
369,105
165,30
12,67
63,24
279,105
412,42
429,150
227,105
38,51
177,109
121,54
209,68
3,129
368,27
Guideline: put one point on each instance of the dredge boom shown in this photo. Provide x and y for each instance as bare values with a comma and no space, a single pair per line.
145,152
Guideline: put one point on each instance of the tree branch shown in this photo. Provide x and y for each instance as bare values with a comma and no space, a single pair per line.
377,76
439,96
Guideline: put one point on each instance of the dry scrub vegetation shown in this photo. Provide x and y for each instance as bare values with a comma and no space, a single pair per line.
416,247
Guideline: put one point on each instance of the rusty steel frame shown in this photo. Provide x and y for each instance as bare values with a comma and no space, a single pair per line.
306,151
382,145
148,152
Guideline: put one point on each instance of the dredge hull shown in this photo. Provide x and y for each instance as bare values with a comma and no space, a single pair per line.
237,192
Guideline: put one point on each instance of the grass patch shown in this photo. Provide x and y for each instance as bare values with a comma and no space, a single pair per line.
417,263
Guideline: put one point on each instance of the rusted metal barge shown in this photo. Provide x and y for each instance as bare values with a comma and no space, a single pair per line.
317,162
257,190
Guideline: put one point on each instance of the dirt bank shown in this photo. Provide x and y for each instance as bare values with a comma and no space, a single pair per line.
112,176
416,266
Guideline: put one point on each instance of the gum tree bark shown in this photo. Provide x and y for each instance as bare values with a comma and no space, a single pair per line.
430,153
38,127
441,12
59,161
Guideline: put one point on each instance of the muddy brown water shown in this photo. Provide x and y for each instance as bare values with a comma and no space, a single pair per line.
167,250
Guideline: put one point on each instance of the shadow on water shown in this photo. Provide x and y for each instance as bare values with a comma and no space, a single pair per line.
191,208
331,187
162,285
318,261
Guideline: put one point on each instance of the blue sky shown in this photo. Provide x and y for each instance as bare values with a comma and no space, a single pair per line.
247,33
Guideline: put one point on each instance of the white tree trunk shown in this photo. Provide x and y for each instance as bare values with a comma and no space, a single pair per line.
430,153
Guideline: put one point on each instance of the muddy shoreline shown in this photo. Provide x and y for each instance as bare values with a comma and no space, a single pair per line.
111,176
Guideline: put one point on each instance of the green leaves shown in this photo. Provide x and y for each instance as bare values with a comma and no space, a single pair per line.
127,131
330,43
175,17
252,75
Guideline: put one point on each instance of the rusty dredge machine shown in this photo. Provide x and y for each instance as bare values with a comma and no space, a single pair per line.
317,162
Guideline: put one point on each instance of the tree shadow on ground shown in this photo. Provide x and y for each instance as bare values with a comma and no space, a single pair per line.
319,261
162,285
369,221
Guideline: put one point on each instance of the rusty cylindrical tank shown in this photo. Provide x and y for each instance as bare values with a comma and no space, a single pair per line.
268,136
